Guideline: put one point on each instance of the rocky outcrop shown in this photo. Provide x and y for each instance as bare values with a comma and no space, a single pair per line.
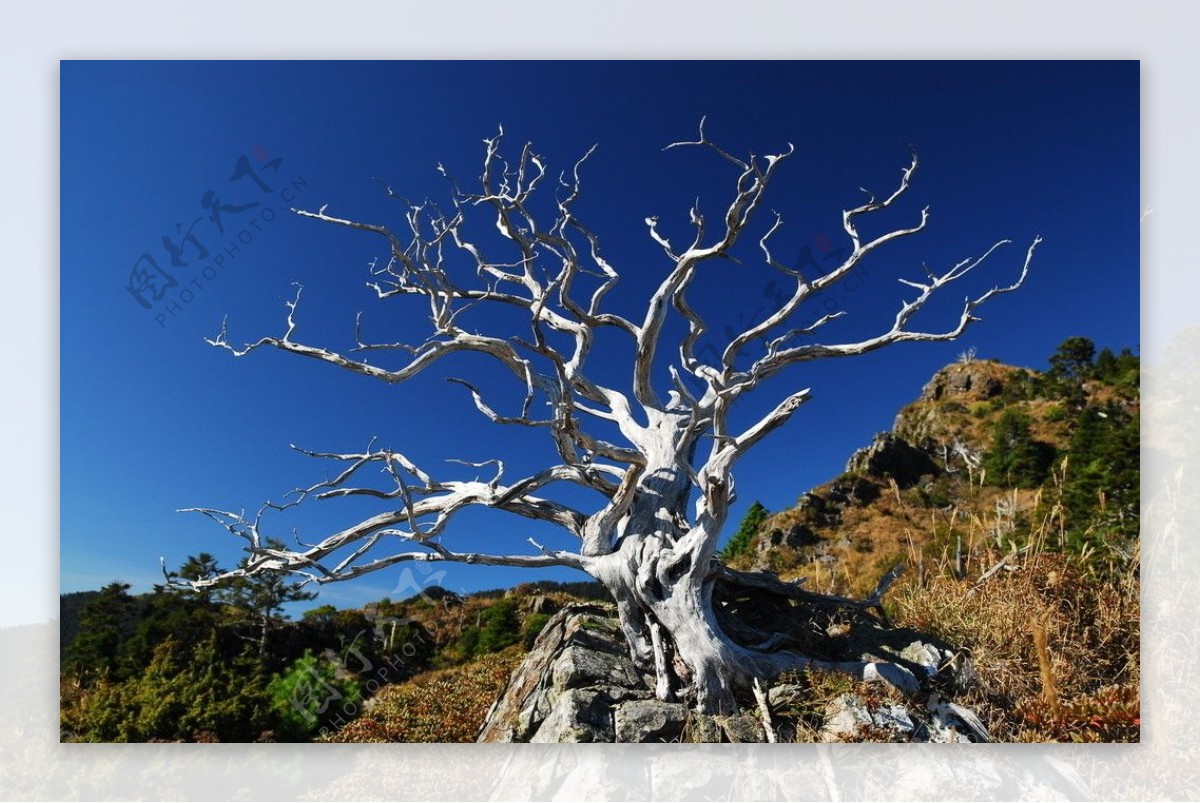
850,717
578,671
796,536
816,509
541,604
824,508
937,422
578,684
976,379
853,717
892,456
851,489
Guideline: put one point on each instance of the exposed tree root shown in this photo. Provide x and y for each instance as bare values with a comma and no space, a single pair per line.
712,647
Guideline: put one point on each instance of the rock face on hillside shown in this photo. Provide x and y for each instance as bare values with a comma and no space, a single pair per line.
892,456
568,683
936,443
924,423
579,685
976,380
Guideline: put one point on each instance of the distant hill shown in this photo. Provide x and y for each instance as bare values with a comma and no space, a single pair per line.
590,591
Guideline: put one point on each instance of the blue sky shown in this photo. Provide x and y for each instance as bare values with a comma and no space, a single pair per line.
153,419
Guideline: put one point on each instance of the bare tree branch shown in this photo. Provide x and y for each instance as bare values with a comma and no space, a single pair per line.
772,363
751,186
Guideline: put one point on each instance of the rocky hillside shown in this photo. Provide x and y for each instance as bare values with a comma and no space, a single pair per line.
988,457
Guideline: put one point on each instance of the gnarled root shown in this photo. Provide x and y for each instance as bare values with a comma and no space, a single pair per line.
710,643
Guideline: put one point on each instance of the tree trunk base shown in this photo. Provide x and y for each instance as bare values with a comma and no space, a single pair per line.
708,644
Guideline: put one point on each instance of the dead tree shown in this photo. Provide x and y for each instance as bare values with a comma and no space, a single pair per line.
667,484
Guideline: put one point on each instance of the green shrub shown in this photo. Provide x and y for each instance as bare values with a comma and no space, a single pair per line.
934,496
183,695
1102,486
534,624
310,695
500,627
467,644
741,541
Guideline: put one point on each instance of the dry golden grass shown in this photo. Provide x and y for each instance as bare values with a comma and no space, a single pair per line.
898,527
1053,637
1081,684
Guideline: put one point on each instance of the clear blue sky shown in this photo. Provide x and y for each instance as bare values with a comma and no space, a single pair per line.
153,419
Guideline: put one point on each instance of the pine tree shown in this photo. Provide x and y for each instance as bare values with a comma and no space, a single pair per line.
258,599
1073,359
742,539
104,623
1015,457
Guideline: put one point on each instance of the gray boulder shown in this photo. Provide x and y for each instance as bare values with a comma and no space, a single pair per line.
649,721
849,717
787,695
578,670
541,604
741,728
589,661
578,715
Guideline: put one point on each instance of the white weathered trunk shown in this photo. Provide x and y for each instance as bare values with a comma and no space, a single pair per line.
672,630
665,604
